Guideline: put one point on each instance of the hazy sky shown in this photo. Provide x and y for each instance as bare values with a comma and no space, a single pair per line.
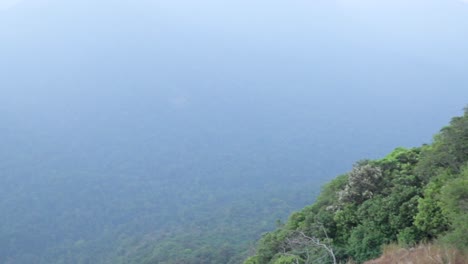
286,72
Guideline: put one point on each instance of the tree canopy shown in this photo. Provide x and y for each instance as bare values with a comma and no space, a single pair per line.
409,196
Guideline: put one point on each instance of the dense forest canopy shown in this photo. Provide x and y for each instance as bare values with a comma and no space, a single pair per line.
410,196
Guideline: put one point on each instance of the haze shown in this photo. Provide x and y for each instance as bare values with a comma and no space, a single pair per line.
151,117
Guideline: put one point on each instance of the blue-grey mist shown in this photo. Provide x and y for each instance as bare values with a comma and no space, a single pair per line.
136,119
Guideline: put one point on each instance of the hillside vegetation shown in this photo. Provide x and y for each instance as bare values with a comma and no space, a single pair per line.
410,196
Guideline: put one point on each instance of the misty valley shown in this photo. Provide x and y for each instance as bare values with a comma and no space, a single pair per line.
229,132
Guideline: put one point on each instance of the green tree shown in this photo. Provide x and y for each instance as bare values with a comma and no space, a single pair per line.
454,196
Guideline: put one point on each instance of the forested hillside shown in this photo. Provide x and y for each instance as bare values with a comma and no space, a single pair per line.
408,197
67,216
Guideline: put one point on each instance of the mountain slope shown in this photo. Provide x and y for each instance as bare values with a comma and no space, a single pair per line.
409,196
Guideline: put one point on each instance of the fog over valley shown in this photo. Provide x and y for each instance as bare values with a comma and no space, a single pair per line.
180,131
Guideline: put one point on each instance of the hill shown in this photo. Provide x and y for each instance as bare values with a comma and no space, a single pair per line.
408,197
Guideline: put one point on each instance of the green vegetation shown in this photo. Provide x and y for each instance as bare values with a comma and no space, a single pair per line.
57,212
409,196
198,231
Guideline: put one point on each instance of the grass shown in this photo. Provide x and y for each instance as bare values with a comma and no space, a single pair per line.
421,254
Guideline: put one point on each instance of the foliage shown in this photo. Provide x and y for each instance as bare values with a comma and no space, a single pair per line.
288,260
409,196
113,218
430,217
454,196
363,183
